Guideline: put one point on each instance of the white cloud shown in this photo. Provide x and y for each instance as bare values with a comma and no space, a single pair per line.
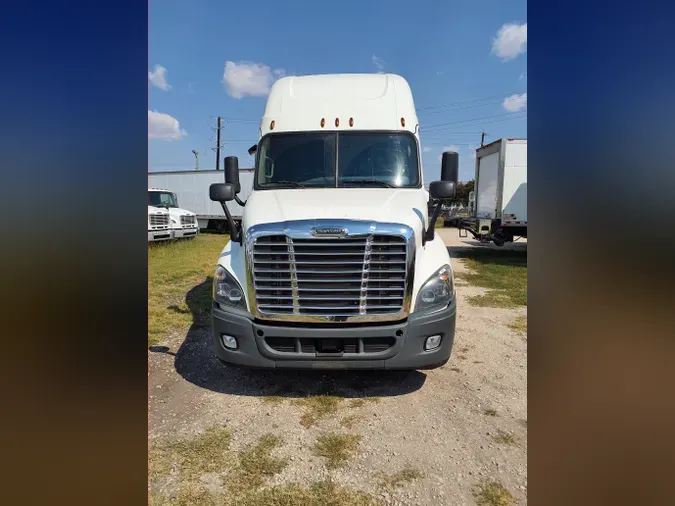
246,78
523,76
379,64
515,103
165,127
158,78
511,40
426,149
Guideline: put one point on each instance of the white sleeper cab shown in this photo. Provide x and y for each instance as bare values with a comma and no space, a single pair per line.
335,264
182,223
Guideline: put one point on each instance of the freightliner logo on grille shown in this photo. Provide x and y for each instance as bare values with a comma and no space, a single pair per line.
329,232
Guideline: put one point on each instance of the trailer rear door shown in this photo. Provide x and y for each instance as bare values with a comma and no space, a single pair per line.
487,185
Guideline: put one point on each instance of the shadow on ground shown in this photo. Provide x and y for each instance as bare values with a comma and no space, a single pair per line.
196,362
509,254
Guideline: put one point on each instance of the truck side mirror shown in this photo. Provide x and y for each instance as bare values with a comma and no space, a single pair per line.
450,166
442,189
221,192
232,173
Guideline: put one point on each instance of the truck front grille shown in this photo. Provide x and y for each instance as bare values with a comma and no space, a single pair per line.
159,220
187,220
336,278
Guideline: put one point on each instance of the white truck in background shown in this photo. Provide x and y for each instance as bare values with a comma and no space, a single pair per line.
499,201
158,225
335,264
182,223
192,190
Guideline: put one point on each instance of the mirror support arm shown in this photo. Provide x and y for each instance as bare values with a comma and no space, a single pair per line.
235,233
430,232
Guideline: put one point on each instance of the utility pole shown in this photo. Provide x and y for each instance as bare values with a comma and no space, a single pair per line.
196,153
218,146
482,139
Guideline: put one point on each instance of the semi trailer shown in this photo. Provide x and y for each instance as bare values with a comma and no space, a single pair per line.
499,201
335,263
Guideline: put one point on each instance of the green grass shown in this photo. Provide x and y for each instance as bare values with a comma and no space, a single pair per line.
317,407
321,493
492,493
205,453
503,272
336,448
257,463
244,474
399,478
174,268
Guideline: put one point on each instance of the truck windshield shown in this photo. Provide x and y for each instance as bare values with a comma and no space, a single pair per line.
338,159
162,199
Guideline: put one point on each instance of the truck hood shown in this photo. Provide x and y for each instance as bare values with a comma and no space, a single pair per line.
405,206
156,210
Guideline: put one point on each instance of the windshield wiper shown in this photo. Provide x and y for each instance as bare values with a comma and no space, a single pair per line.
375,182
281,184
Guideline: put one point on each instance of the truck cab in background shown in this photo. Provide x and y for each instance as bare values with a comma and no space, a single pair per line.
158,225
335,264
182,223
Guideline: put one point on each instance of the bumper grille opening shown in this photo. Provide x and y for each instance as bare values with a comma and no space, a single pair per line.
355,346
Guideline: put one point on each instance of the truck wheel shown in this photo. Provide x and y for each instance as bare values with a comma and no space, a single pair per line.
498,242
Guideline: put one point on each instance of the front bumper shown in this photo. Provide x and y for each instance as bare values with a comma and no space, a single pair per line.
407,352
179,233
160,235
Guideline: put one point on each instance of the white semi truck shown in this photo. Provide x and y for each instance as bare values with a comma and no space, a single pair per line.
335,264
499,201
191,188
158,225
182,223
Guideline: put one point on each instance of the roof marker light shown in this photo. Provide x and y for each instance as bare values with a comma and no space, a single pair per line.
272,125
323,122
337,122
402,122
351,122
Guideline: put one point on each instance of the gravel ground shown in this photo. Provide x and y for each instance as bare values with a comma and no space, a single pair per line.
444,423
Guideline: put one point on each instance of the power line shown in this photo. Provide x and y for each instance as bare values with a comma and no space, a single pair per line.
472,120
462,102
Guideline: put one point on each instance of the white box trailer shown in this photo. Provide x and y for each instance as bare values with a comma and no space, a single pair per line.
192,189
500,195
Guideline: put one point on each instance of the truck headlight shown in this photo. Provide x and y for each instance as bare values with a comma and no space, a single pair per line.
437,291
226,290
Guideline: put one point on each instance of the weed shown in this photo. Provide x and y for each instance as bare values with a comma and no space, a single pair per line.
317,407
399,478
490,412
519,324
321,493
455,369
336,448
350,421
256,462
272,399
206,453
505,438
492,493
359,403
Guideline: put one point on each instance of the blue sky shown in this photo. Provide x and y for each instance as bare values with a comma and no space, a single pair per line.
466,63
